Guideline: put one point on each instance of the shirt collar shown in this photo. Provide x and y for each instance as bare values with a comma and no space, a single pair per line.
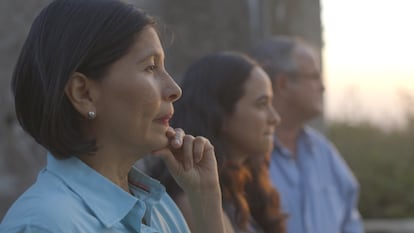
304,138
144,187
307,138
279,147
113,203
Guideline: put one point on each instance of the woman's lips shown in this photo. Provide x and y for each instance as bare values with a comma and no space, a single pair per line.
165,120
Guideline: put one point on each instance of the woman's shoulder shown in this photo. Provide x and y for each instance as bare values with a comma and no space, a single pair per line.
48,206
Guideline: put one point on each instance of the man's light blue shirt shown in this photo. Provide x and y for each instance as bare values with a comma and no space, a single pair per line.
69,196
318,191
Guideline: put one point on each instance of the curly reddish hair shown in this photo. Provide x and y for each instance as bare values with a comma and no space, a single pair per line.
263,199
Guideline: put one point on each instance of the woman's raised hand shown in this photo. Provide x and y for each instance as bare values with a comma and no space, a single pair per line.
191,161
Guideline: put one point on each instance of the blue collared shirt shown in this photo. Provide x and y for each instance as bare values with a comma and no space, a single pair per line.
318,190
69,196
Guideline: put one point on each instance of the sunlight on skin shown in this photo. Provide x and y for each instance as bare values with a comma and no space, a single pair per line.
369,50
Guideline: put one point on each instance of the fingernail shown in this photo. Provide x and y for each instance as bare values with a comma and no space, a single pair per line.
176,141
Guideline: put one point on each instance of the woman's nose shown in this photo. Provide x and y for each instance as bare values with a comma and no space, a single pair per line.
172,90
274,116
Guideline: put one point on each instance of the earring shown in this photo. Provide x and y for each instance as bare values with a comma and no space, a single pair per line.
91,115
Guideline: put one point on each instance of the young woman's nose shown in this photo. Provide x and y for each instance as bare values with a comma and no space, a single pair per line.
274,117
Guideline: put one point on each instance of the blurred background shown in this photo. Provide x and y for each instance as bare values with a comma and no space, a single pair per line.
368,64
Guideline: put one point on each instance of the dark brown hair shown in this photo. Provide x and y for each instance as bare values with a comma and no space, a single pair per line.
69,36
211,88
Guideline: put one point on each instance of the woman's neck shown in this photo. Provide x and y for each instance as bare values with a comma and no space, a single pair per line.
115,166
236,155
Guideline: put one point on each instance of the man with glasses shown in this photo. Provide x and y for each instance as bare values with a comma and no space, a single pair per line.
318,191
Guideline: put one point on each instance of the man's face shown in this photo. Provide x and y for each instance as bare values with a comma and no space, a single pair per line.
305,89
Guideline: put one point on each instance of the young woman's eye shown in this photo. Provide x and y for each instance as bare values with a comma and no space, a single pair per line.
261,104
265,104
151,68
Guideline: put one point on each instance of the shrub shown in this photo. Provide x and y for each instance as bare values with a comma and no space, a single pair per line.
383,162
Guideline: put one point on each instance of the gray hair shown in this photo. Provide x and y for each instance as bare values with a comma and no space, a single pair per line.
275,54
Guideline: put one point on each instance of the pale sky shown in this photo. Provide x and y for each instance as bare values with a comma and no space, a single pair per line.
368,58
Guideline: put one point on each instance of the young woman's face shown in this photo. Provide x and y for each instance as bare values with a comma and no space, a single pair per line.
250,128
135,98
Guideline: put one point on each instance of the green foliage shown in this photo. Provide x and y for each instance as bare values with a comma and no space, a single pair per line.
383,162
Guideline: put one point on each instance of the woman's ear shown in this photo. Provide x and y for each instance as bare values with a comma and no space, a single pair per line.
80,91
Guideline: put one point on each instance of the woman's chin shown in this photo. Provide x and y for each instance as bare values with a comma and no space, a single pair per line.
160,144
265,148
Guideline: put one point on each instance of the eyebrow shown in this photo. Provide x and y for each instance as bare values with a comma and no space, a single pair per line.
146,58
150,54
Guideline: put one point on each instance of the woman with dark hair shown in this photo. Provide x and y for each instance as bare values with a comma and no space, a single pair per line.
227,98
90,86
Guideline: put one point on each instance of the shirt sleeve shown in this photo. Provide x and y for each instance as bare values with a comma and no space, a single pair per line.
352,222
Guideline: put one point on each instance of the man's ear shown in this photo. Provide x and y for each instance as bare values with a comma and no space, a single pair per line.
281,84
81,92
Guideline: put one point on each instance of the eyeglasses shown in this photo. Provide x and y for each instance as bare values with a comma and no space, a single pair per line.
306,76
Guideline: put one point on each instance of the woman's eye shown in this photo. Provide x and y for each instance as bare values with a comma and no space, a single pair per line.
151,68
264,104
261,104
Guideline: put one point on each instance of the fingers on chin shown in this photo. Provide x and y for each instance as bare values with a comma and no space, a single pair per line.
176,137
188,146
199,148
189,150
